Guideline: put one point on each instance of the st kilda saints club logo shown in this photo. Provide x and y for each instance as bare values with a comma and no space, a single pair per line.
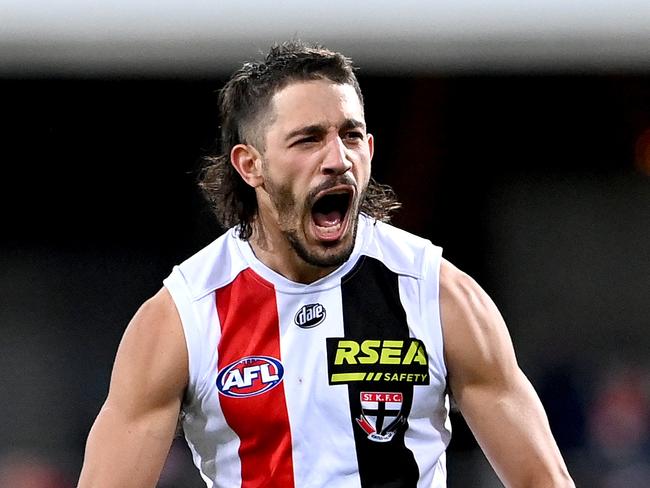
250,376
381,414
309,316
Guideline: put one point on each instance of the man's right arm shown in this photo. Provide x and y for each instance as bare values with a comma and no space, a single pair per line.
129,441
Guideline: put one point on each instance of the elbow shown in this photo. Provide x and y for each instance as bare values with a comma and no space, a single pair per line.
547,477
565,481
559,479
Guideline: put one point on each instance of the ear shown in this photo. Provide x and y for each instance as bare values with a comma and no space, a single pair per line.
371,145
247,161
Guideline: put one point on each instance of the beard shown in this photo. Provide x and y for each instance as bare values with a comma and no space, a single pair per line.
329,258
291,220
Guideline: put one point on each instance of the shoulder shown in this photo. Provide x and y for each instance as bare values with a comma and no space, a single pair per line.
155,327
156,315
477,342
460,294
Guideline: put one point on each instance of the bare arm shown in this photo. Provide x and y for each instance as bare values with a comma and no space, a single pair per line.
130,439
495,398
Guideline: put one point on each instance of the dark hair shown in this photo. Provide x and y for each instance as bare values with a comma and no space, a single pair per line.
243,104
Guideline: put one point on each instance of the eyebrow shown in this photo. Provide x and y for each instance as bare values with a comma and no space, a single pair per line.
315,129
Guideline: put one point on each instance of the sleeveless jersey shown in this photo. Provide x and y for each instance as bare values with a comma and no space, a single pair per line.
338,383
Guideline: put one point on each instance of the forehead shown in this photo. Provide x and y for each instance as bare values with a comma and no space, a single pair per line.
314,102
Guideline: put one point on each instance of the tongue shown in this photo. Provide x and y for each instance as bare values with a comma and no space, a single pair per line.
328,219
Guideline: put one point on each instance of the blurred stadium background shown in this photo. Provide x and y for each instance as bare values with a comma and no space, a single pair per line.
518,137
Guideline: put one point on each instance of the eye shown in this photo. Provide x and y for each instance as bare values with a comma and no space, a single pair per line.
354,135
305,140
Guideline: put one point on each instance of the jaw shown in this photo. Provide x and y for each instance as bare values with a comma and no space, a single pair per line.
322,256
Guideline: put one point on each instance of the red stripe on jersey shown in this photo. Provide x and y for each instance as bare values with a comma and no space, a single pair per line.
249,327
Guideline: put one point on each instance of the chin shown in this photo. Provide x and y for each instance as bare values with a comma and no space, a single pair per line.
324,255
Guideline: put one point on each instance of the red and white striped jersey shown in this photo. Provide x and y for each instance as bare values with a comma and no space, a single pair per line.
336,383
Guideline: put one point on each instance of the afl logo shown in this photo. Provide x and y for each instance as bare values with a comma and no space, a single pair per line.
250,376
310,316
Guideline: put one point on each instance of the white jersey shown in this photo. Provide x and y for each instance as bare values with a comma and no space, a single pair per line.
339,383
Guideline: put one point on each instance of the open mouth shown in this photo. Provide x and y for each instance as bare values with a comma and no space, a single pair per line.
329,214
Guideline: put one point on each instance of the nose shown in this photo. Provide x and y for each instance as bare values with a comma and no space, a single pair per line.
335,161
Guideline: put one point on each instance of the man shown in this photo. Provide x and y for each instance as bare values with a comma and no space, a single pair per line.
312,344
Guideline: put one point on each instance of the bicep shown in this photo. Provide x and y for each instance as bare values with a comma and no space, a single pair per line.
494,396
129,440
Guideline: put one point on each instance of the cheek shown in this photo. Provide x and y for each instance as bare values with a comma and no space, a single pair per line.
279,193
283,198
363,172
290,200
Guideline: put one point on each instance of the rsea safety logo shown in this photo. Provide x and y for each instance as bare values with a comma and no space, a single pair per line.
377,360
310,316
250,376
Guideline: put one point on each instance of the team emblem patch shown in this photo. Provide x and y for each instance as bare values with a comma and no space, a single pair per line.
381,414
250,376
309,316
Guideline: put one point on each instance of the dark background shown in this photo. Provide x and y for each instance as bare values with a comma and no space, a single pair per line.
536,185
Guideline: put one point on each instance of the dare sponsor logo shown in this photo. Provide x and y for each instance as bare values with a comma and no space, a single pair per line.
310,316
250,376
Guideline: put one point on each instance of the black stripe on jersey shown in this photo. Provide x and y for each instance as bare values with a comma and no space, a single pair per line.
372,310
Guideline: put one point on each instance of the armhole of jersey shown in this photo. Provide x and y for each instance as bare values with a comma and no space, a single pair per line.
433,260
177,287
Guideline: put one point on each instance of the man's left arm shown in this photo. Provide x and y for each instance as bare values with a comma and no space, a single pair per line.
494,396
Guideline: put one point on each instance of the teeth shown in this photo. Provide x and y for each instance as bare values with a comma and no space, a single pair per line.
330,228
